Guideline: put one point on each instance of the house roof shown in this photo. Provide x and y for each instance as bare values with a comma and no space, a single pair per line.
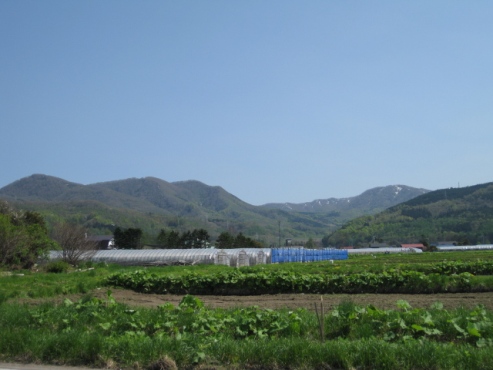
415,245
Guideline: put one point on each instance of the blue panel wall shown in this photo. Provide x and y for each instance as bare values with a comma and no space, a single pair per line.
281,255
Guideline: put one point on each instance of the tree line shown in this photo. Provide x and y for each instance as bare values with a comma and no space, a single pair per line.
130,238
24,238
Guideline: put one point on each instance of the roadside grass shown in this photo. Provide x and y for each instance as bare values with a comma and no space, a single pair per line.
358,354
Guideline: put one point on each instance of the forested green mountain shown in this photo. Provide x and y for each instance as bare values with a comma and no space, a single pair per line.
463,215
153,204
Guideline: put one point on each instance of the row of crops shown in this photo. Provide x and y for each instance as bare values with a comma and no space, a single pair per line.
102,332
436,278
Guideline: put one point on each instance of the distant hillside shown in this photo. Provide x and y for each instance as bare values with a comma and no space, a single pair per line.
369,202
151,204
463,215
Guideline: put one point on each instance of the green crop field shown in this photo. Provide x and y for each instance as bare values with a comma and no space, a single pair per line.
101,332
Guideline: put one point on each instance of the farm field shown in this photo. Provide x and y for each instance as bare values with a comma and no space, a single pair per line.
289,301
91,317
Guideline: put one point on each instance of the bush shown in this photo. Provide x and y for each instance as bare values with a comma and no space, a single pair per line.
86,265
57,267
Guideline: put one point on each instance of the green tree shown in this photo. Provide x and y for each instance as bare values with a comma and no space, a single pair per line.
169,240
310,244
23,237
162,238
326,241
200,238
173,239
225,240
424,240
186,240
12,239
128,238
241,241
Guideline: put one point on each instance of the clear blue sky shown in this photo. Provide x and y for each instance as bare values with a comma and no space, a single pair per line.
275,101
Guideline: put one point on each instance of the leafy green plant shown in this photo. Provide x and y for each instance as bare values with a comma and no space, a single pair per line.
95,331
262,282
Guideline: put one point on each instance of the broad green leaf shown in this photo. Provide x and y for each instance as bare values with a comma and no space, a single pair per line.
472,329
437,306
403,305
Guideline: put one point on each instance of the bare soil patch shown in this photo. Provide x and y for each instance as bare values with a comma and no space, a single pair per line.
294,301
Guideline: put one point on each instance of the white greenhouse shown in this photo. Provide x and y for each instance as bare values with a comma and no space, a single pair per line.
383,250
451,248
230,257
163,257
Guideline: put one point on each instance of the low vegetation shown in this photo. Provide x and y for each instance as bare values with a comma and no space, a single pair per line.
105,333
252,283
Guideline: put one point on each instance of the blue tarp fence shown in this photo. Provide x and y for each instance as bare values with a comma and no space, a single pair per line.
280,255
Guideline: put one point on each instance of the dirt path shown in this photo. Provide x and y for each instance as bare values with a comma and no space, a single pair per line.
293,301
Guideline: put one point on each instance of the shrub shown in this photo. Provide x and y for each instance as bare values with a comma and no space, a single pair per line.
57,267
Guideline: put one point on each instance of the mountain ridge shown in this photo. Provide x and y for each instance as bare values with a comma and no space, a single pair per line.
181,205
462,215
401,193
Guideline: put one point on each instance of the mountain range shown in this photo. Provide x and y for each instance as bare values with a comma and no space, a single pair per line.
369,202
456,215
153,204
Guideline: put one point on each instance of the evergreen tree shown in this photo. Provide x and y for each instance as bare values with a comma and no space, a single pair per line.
173,240
186,240
200,238
310,244
128,238
162,238
225,240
